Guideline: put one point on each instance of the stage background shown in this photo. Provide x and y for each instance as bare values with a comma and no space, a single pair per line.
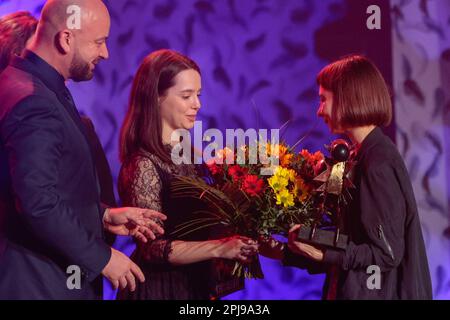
259,60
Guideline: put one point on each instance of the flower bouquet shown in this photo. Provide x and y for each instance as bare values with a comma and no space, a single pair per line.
240,198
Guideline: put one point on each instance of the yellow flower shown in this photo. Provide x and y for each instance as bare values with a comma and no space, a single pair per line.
288,174
285,198
281,178
278,183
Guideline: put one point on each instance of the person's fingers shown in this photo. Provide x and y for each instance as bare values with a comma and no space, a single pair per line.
131,280
155,227
148,223
295,228
250,247
248,253
240,245
291,237
152,214
292,240
122,282
247,250
115,284
247,240
140,236
137,272
293,232
242,258
148,233
136,218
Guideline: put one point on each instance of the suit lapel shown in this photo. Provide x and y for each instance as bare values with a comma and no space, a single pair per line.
67,101
55,82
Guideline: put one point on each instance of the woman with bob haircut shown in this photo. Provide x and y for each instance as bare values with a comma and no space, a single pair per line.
166,97
382,219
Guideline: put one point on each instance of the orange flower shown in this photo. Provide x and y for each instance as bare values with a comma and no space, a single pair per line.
301,189
226,155
285,156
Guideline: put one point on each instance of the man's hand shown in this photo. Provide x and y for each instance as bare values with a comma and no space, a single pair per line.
301,248
139,223
121,271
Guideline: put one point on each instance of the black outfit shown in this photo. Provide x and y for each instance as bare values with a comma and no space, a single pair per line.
50,195
107,197
144,181
384,229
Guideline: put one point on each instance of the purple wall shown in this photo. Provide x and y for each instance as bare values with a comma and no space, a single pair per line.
262,53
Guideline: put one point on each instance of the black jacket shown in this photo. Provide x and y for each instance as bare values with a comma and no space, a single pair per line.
384,229
107,197
50,197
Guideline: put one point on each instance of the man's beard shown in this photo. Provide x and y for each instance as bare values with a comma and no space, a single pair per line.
80,70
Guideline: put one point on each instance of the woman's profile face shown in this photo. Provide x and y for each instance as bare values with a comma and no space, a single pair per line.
181,103
325,109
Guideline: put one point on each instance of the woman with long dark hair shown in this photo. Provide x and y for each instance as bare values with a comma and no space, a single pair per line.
165,98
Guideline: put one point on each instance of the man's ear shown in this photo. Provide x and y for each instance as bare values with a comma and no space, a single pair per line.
64,41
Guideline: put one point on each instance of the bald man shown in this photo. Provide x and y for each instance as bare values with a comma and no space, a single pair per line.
51,242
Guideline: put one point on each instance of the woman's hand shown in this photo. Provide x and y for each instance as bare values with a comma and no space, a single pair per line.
237,248
301,248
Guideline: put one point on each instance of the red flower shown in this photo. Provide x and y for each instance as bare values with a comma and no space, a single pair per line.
320,167
214,168
237,173
252,185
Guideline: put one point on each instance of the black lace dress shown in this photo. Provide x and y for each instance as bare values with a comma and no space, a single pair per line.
144,182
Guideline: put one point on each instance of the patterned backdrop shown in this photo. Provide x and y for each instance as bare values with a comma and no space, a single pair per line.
259,59
421,60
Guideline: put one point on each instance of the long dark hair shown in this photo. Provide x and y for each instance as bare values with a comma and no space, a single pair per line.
142,128
15,30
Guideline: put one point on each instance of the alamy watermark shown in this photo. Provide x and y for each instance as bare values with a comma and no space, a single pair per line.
250,146
374,20
74,278
374,280
74,20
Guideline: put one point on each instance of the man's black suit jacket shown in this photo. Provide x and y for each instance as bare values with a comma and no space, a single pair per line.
50,212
